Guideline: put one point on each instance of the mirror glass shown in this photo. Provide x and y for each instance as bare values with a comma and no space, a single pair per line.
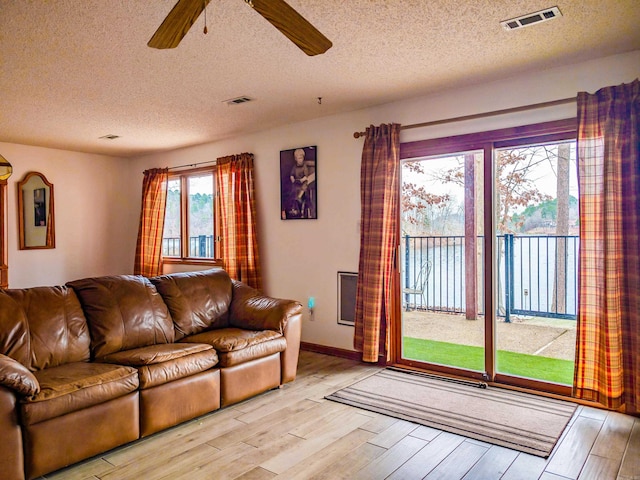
35,212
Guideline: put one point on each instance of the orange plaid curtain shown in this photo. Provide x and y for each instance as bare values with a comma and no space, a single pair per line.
148,260
378,239
236,213
607,368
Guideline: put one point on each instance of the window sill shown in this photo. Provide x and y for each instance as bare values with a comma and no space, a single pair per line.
213,262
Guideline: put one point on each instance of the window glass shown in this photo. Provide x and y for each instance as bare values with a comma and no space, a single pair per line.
189,219
171,236
200,225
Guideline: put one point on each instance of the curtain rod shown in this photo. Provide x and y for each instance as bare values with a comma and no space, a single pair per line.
192,164
523,108
188,165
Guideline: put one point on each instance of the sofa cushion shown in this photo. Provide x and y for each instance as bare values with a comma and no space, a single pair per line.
153,354
75,386
14,330
159,364
235,346
57,327
123,312
197,301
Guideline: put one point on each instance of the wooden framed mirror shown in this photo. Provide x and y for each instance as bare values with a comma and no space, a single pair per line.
36,212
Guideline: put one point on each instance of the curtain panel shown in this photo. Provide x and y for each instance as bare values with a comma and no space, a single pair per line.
379,190
236,215
148,261
607,368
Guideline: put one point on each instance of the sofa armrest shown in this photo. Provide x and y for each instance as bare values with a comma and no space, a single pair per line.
289,358
11,446
17,377
252,311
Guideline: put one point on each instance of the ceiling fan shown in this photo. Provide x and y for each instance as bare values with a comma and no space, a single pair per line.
277,12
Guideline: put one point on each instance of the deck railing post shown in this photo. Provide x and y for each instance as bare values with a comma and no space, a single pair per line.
508,273
406,269
202,245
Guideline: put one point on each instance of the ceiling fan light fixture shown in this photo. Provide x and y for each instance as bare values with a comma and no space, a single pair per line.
5,168
277,12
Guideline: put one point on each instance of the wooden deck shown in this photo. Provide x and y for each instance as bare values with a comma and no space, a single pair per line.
294,433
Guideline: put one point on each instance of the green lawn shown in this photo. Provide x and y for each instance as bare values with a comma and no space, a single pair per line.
472,358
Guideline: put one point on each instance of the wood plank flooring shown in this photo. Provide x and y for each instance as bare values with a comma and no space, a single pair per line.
293,433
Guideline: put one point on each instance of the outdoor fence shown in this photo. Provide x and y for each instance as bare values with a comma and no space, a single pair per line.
199,247
537,275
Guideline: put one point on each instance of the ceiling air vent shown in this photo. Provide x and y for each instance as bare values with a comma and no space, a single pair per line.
238,100
531,19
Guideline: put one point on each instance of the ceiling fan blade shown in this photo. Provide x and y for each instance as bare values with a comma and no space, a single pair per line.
292,25
177,24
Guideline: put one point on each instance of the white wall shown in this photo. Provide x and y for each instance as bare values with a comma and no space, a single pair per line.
95,220
301,258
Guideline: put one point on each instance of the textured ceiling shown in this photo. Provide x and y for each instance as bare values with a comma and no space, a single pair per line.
75,70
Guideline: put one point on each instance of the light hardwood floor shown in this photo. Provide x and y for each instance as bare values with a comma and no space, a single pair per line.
294,433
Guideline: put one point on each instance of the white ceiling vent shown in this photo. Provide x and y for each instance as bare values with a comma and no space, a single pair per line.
238,100
531,19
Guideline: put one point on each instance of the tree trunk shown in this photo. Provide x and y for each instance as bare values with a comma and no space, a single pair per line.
562,229
470,243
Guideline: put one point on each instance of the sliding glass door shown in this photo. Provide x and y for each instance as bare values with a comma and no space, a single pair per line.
537,245
441,256
487,256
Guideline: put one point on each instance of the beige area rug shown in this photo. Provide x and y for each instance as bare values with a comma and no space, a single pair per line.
524,422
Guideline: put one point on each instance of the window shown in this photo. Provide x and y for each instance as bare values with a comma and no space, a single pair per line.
189,228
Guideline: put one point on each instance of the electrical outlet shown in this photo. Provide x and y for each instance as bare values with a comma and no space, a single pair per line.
311,303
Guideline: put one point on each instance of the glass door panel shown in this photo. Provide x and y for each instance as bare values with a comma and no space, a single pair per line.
536,254
441,258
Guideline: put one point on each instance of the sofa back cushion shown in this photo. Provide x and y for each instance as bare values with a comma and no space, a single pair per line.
14,330
123,312
198,301
57,327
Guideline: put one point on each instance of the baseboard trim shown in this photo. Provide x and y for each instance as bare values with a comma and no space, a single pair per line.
338,352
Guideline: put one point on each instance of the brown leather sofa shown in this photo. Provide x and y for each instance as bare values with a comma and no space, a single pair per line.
103,361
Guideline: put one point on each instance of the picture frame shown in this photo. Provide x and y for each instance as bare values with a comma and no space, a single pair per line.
298,183
347,286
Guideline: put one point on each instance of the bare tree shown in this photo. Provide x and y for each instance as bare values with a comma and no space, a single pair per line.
515,185
417,205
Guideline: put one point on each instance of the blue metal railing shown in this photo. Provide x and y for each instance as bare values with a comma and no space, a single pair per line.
537,275
540,275
199,247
